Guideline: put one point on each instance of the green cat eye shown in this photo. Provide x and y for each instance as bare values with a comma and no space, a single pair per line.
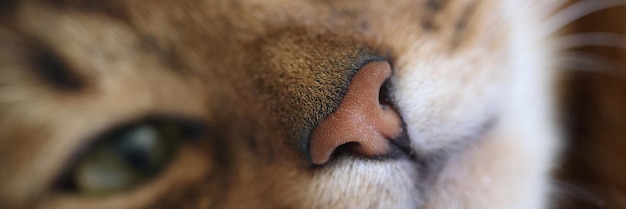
127,156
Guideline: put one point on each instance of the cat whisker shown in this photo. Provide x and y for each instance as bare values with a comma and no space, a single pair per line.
577,11
571,191
604,39
587,62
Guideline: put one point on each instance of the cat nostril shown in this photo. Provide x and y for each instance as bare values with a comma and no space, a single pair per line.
383,96
363,123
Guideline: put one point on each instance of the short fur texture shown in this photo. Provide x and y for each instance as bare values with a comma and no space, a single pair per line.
473,81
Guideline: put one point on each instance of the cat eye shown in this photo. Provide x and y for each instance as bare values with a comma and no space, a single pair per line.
127,156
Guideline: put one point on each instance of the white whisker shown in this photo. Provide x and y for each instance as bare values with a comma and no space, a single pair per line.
605,39
572,191
588,62
578,10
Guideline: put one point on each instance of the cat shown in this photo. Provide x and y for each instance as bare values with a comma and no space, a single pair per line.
278,104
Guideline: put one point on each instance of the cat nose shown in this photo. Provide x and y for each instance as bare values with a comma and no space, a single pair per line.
360,122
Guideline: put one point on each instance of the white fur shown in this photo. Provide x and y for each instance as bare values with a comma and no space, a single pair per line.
508,167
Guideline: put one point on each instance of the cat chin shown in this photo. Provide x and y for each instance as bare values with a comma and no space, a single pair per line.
353,182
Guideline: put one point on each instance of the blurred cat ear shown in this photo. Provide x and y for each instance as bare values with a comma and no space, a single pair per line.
360,125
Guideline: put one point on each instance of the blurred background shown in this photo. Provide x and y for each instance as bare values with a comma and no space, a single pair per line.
593,173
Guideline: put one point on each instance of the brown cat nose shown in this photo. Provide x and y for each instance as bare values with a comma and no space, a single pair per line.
360,120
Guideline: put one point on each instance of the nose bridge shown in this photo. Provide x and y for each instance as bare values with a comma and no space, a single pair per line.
359,119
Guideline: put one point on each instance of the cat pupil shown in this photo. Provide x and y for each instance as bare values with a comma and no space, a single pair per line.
142,150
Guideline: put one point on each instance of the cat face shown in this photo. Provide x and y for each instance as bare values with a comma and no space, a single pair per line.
223,104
